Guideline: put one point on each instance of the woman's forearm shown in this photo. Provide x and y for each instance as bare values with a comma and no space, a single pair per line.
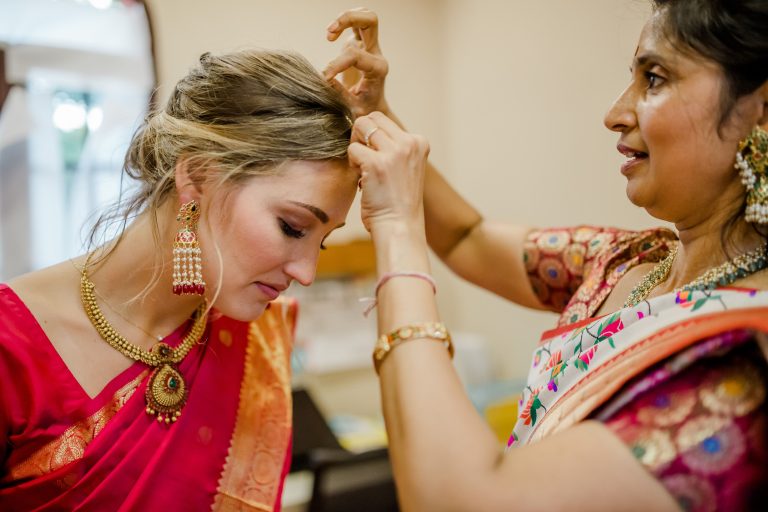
449,217
426,409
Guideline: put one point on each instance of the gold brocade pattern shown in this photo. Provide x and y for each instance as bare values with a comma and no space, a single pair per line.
572,271
702,431
71,445
252,473
735,392
667,410
654,448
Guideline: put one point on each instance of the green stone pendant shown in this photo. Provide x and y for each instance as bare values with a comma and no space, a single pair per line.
166,394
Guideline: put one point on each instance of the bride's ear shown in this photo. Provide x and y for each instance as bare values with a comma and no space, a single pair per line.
186,187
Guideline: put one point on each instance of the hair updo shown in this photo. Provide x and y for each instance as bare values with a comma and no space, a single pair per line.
245,113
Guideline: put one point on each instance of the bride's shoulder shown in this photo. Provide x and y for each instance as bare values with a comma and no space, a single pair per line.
48,291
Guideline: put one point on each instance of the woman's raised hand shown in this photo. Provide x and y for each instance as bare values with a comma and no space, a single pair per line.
361,64
392,163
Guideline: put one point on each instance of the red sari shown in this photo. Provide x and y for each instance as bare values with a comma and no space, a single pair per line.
230,450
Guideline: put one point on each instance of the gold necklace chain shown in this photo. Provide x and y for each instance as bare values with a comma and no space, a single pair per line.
657,275
166,391
737,268
115,311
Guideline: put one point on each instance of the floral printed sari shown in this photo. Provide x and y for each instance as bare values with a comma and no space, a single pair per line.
680,378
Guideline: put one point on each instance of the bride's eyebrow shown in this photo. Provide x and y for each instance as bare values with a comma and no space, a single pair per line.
317,212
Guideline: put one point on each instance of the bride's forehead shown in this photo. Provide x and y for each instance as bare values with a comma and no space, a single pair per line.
327,183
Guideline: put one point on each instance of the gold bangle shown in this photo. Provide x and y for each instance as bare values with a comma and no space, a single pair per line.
432,330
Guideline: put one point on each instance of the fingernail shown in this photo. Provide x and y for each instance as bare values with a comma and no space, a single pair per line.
333,27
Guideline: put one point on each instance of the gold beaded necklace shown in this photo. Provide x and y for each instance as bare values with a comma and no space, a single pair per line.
657,275
737,268
166,391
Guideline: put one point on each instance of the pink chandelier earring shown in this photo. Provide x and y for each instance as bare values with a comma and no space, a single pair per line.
752,164
187,264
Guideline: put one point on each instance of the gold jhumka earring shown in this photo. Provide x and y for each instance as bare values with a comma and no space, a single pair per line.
752,164
187,264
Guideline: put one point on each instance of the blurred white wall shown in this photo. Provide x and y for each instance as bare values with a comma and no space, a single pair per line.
510,93
525,86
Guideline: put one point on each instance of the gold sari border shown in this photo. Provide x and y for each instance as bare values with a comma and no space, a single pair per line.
72,443
252,473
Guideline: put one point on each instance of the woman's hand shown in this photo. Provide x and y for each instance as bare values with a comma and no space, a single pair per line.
392,164
361,64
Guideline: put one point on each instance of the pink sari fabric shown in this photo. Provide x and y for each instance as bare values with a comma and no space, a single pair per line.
62,450
699,423
680,378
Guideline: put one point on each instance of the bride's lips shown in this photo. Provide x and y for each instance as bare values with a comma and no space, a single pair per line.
634,157
271,291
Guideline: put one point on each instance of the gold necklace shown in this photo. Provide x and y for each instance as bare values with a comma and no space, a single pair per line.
658,274
115,311
737,268
166,391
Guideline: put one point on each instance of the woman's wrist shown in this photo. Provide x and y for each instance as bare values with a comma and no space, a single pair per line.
400,246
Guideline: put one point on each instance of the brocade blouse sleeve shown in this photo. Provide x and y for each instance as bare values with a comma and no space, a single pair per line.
573,270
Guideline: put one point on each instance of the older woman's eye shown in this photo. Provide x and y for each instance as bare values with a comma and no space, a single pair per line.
290,231
653,79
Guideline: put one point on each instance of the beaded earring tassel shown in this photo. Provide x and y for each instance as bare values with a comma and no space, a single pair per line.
752,164
187,264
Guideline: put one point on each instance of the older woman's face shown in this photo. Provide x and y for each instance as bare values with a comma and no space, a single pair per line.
270,232
679,168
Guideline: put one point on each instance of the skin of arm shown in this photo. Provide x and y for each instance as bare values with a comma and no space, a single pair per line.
470,246
474,248
444,456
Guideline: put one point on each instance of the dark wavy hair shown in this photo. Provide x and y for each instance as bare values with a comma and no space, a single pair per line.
732,33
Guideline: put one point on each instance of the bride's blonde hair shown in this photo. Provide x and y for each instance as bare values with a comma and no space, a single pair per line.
234,116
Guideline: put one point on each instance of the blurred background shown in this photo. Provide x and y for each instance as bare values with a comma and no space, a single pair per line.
511,95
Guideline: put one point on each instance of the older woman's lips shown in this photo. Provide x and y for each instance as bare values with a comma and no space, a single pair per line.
270,292
634,157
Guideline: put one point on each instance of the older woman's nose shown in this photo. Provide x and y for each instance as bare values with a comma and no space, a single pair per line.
621,116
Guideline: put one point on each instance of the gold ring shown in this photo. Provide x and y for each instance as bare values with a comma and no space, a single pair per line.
367,136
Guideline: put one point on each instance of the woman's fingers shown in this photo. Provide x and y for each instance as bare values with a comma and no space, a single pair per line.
387,126
364,23
361,156
373,66
366,131
379,132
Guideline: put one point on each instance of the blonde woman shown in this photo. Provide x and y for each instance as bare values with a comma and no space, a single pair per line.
153,372
650,393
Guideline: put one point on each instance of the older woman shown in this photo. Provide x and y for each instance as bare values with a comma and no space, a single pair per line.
153,372
650,393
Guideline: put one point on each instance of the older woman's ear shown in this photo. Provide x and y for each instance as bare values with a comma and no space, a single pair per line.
763,120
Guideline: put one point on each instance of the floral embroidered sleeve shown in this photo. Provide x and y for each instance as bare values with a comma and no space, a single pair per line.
573,270
699,423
